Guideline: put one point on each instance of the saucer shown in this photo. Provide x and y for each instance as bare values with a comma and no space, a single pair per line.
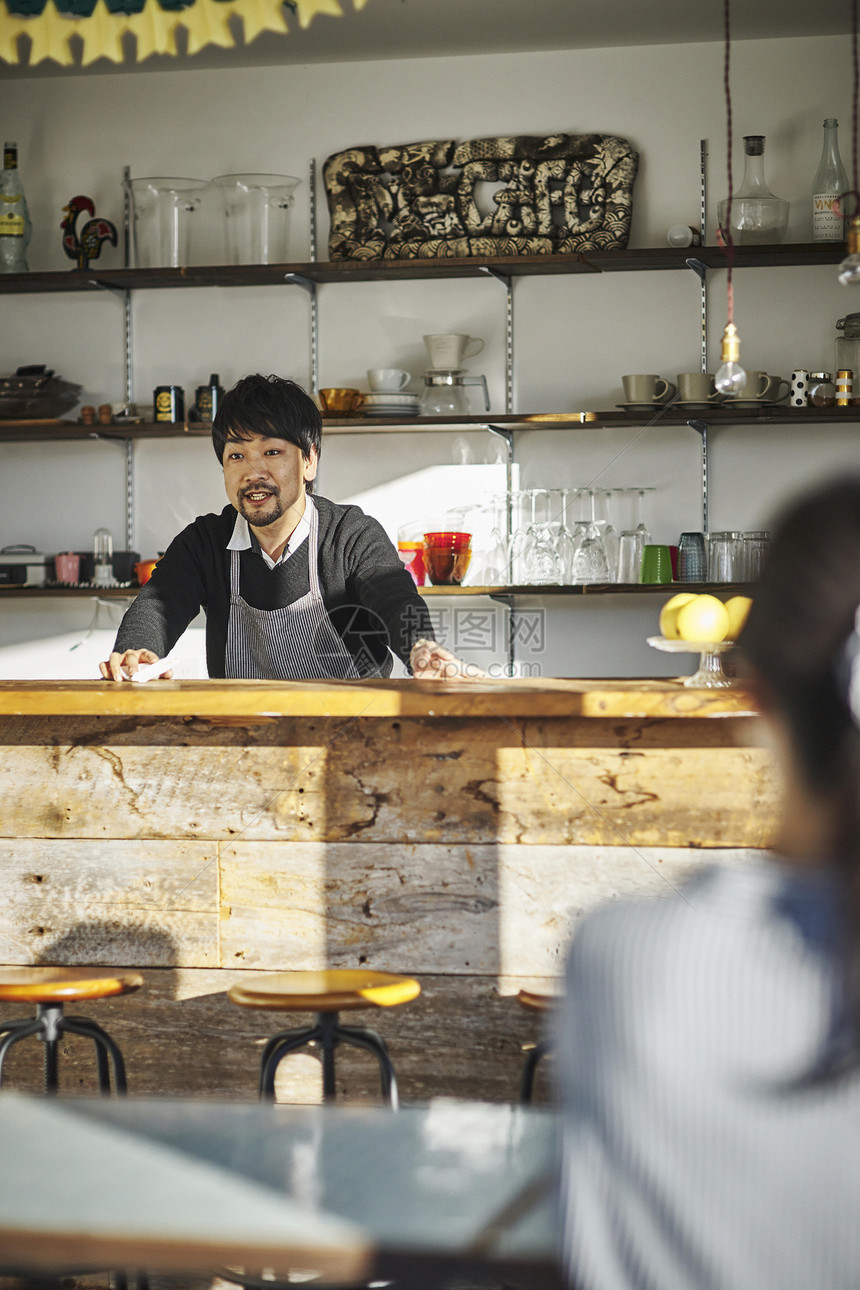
390,399
747,405
407,411
640,407
697,405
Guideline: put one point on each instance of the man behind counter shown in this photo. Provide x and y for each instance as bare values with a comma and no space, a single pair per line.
294,587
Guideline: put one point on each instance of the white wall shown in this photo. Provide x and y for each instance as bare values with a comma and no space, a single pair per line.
574,336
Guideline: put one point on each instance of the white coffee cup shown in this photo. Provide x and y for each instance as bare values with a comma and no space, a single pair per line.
388,379
447,351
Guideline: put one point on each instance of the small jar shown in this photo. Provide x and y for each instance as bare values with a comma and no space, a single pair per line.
822,391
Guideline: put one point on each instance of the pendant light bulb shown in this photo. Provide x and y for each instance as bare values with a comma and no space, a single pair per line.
849,269
730,377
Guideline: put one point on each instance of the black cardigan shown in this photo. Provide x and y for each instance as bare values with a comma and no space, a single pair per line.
368,594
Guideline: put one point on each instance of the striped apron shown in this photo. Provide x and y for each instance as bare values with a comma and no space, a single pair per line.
295,643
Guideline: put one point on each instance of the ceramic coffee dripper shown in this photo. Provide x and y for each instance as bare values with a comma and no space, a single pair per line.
447,351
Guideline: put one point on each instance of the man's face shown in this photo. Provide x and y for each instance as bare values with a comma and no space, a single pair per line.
265,478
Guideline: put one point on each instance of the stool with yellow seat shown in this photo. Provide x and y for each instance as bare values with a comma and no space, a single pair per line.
542,1003
326,994
50,989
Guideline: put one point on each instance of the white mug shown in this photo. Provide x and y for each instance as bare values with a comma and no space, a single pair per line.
389,379
448,350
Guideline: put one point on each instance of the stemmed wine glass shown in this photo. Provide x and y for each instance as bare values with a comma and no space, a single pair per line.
589,559
542,562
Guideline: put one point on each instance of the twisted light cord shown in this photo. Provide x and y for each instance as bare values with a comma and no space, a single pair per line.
727,231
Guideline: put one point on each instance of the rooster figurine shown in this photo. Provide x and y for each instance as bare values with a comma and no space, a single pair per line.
86,245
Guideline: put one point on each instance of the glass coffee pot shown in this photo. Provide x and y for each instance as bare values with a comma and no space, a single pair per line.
445,393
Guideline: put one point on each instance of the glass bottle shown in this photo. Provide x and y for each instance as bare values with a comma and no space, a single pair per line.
847,346
758,217
15,227
830,180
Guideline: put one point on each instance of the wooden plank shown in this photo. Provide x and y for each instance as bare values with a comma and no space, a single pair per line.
180,1036
541,783
120,903
527,698
505,910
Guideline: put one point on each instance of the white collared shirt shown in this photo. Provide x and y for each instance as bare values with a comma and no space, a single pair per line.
241,537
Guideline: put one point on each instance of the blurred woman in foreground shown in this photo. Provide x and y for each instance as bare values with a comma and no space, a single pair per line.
709,1042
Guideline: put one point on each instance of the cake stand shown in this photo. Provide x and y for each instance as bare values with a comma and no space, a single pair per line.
710,674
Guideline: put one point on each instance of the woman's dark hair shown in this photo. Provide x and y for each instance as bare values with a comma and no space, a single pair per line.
268,405
800,639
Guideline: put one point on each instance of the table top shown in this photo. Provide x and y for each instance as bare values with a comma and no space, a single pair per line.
182,1185
261,700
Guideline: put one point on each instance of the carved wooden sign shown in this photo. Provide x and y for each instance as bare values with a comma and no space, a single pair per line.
552,194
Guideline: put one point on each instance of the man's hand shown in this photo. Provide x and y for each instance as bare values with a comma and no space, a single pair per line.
432,662
122,667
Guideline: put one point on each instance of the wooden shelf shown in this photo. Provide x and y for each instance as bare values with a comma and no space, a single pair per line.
59,431
592,589
257,275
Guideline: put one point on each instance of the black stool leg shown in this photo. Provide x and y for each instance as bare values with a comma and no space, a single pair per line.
360,1037
105,1048
527,1080
329,1036
279,1047
15,1030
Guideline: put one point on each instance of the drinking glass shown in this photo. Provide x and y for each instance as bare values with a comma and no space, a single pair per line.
692,558
724,557
754,550
630,546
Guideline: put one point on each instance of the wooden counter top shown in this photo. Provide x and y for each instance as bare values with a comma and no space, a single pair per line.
263,700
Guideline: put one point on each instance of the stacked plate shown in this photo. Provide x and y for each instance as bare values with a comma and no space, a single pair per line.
398,403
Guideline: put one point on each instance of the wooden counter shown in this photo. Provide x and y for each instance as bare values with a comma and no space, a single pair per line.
202,831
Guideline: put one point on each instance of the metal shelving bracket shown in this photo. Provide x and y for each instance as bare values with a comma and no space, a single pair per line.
701,429
308,285
507,282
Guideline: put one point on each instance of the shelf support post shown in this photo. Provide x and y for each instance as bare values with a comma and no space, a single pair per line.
507,282
701,428
308,285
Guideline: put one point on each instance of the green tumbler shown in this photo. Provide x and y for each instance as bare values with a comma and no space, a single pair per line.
656,564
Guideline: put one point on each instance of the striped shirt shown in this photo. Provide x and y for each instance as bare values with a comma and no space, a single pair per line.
693,1155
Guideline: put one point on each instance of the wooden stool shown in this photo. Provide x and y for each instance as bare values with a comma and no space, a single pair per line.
50,989
542,1003
325,994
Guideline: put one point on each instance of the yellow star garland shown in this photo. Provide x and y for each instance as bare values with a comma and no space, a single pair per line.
308,9
50,36
154,30
206,21
102,34
261,15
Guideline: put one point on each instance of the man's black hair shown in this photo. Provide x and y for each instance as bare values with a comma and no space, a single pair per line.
271,406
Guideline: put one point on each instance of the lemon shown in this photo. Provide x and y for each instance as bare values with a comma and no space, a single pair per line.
669,614
737,608
705,619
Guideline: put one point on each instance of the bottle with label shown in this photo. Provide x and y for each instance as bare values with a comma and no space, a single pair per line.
15,226
830,180
206,400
